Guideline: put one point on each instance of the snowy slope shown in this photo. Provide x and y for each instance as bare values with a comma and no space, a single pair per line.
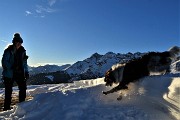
153,98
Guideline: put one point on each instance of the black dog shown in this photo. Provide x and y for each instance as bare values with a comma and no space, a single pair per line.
135,69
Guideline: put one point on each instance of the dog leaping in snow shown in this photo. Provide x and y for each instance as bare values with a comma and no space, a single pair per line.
133,70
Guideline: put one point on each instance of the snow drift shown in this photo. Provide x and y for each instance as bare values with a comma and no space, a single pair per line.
153,98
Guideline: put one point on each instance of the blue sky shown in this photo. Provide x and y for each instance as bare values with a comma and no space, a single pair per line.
67,31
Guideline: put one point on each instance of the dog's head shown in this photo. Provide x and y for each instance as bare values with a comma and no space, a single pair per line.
109,78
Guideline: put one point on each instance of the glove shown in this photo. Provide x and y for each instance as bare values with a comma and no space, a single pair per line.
26,75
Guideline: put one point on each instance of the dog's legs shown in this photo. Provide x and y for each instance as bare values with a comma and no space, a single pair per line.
120,96
117,88
112,90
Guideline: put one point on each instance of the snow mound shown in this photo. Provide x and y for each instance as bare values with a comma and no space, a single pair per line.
153,98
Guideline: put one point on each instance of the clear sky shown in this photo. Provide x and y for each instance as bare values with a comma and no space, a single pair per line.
67,31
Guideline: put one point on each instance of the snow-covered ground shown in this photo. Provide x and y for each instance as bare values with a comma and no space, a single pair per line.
153,98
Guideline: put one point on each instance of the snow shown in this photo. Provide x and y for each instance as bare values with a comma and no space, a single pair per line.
152,98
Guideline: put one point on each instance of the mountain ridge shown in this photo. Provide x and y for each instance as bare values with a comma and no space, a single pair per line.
92,67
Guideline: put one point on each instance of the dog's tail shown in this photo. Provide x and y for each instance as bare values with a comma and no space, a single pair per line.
174,52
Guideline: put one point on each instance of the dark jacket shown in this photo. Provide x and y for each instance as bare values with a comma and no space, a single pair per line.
14,62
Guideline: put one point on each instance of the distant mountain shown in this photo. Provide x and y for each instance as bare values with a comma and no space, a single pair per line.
47,69
96,65
93,67
49,78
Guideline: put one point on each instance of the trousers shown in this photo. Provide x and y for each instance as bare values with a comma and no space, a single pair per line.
8,82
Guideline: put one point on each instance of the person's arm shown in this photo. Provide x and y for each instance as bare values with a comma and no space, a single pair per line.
26,66
6,60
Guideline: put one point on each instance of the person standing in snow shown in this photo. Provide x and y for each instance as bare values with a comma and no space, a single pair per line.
15,69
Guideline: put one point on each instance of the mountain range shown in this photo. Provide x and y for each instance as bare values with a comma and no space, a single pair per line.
93,67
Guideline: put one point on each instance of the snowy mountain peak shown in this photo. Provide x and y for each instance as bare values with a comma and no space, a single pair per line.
96,65
95,55
110,54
